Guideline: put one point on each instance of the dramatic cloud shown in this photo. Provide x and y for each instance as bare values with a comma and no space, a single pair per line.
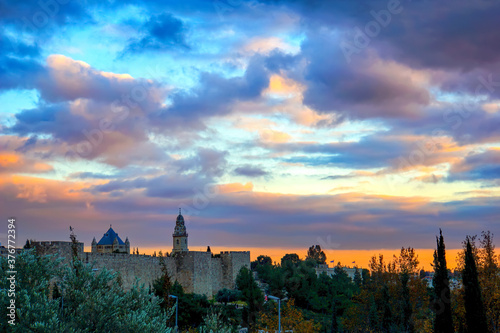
270,123
369,88
162,32
250,171
478,166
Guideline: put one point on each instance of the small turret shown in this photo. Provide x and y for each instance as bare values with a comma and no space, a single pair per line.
116,245
94,246
127,246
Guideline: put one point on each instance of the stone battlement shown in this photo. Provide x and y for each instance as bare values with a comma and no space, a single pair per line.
198,272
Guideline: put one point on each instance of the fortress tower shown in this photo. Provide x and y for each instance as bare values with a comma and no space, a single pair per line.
180,236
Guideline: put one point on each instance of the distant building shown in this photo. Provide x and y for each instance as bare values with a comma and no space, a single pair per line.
429,276
111,243
330,271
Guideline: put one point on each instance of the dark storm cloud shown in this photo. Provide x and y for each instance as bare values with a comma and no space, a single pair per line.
206,161
348,219
14,47
34,16
456,44
339,177
477,166
94,131
426,34
250,171
161,32
367,88
90,175
55,119
467,123
478,83
369,152
435,35
19,67
16,74
165,186
215,95
277,61
28,144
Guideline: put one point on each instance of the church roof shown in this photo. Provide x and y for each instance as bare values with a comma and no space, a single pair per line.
109,238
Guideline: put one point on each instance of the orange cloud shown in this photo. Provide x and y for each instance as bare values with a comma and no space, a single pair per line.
7,160
281,85
35,189
63,68
272,136
235,187
11,162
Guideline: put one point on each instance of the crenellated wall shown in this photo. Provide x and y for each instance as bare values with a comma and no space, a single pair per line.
62,249
129,266
197,272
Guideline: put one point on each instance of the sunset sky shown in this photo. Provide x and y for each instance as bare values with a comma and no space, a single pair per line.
275,125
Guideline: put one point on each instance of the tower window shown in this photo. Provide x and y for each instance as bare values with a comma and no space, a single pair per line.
177,242
186,241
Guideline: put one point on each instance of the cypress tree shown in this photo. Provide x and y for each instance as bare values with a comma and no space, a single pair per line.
27,245
406,303
357,278
335,326
443,322
475,315
250,293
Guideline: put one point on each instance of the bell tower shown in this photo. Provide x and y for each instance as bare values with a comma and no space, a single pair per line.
180,236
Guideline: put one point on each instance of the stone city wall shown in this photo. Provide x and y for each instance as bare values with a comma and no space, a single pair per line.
197,272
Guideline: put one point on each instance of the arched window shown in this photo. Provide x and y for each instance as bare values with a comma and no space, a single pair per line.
177,242
186,241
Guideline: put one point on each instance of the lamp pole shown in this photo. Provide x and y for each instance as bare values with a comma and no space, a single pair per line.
176,310
279,310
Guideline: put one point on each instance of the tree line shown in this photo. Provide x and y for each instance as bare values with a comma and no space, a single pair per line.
390,296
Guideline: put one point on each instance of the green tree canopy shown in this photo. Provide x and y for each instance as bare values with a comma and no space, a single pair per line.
52,296
292,258
250,293
316,254
227,295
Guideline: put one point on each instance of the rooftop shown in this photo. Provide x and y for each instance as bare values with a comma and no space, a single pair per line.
109,238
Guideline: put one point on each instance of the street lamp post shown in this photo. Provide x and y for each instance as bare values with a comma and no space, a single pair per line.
279,310
176,310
